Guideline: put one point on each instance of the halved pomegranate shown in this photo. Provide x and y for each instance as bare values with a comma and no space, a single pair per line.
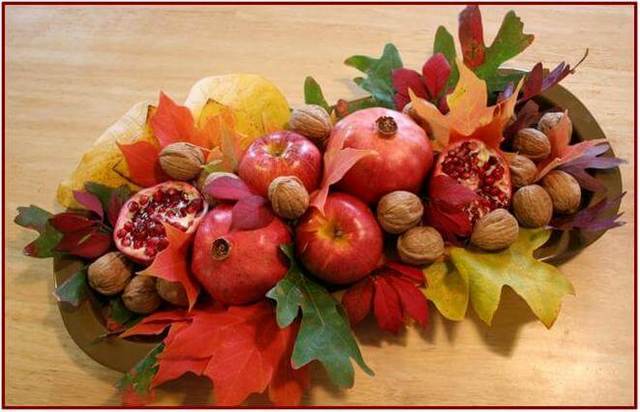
138,232
480,169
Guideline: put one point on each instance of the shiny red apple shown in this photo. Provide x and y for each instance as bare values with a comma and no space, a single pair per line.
237,267
277,154
404,154
342,245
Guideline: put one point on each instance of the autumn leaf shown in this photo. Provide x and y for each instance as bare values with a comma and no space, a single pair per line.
313,93
392,292
378,79
471,36
240,349
135,384
448,289
90,202
540,284
35,218
110,198
562,152
445,207
228,188
73,290
172,123
528,115
324,333
602,215
443,43
171,263
540,80
143,162
430,85
591,159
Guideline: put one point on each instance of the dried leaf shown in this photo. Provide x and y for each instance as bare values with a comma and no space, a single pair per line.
144,166
600,216
171,263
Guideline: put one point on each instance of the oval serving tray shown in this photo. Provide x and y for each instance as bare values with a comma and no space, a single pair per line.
86,324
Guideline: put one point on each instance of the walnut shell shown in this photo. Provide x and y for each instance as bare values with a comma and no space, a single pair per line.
550,120
140,295
172,292
532,206
523,171
109,274
496,230
564,190
181,161
288,196
399,211
311,121
532,143
420,245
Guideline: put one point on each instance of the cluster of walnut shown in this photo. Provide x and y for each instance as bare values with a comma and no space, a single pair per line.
400,213
112,274
558,192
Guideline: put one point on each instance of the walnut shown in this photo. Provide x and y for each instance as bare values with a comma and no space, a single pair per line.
420,245
399,211
172,292
311,121
181,161
532,143
140,295
109,274
288,196
496,230
523,171
551,120
564,190
532,206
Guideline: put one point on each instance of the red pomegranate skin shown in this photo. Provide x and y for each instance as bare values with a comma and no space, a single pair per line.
277,154
343,245
402,161
253,265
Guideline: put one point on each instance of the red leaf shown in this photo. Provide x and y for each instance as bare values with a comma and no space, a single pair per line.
171,263
414,304
386,305
450,223
533,85
90,201
594,218
435,73
172,123
403,80
528,115
155,323
411,273
288,384
250,213
471,37
88,242
357,300
228,188
67,222
449,191
117,200
142,160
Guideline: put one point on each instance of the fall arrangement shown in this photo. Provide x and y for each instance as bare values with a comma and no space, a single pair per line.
246,238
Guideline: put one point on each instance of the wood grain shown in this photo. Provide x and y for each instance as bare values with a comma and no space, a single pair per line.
72,71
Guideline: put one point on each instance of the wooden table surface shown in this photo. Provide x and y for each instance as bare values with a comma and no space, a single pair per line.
72,71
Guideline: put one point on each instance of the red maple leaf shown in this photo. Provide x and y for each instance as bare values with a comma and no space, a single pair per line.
143,161
240,349
172,123
171,263
392,292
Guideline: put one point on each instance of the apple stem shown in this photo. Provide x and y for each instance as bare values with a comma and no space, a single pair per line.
386,126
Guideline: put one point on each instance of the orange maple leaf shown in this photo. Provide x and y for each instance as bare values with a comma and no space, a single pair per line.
468,116
171,263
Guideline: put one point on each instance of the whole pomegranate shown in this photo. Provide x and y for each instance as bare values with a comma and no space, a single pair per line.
482,170
342,245
277,154
238,267
138,232
403,158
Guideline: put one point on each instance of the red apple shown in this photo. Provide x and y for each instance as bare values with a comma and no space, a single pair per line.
403,158
238,267
343,245
281,154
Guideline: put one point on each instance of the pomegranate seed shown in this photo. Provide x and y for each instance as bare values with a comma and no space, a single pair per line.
162,243
171,213
126,242
183,212
137,244
489,180
128,226
158,196
150,251
122,233
152,241
134,206
172,192
143,200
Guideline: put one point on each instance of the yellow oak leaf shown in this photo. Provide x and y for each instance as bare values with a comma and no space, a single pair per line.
448,289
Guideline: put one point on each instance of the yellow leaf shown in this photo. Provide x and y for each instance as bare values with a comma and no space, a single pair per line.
448,289
540,284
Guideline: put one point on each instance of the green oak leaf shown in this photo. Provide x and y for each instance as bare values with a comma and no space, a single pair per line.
73,290
443,43
540,284
313,94
35,218
120,314
325,334
378,81
139,378
448,289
